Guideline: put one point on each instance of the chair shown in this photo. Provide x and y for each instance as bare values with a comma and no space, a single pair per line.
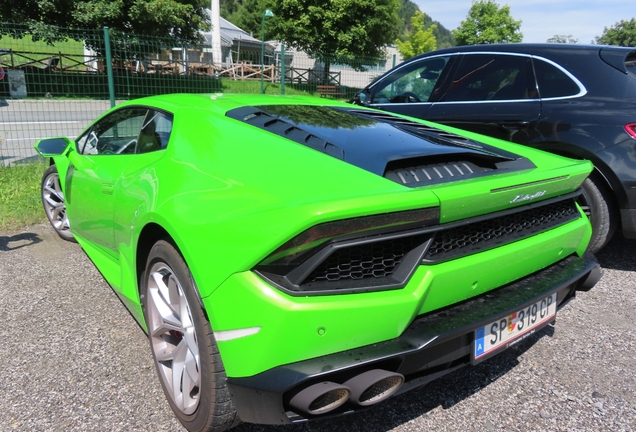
149,140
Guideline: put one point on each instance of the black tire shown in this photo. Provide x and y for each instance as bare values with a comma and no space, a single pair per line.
597,203
54,205
207,404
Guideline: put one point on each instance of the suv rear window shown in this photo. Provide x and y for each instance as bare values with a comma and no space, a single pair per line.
553,82
630,64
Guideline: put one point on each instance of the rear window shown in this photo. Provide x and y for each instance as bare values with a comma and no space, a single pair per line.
630,64
553,82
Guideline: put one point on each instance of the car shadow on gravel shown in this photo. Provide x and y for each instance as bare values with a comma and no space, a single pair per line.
619,254
442,393
9,243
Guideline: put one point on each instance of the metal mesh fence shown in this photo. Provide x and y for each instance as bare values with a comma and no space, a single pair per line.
57,87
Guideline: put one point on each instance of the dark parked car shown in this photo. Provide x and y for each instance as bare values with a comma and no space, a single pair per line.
573,100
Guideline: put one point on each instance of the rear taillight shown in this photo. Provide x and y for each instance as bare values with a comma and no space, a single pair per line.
630,128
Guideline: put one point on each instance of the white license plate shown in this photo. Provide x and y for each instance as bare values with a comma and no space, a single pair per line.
511,328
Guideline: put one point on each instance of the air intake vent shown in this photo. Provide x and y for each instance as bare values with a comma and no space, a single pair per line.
463,240
371,260
422,175
276,125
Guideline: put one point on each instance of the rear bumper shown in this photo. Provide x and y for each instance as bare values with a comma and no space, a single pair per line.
433,345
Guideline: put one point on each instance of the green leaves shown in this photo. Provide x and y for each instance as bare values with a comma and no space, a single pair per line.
488,23
180,18
349,28
623,33
420,41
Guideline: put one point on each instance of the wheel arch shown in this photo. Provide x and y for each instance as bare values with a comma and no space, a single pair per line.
149,235
602,175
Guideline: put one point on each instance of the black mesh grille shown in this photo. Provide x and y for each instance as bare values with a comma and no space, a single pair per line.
382,258
504,229
370,260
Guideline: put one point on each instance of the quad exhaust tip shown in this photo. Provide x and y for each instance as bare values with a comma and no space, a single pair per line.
373,386
365,389
320,398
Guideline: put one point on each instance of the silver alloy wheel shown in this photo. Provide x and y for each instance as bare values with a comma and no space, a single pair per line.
173,338
53,199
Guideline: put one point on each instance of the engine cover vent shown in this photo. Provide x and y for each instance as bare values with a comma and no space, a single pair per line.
422,175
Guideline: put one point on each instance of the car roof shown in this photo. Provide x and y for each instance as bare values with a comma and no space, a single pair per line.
612,55
528,48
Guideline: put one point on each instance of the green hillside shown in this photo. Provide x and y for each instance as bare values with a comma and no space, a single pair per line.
408,9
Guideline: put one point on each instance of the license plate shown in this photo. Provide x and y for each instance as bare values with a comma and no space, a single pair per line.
512,328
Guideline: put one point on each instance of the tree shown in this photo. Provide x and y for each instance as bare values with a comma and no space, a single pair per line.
562,39
485,23
420,41
228,7
177,18
407,10
351,30
248,16
623,33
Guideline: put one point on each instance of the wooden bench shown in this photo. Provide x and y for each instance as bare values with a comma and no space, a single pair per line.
329,90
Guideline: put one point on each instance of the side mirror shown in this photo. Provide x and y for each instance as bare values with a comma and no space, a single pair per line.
49,147
361,98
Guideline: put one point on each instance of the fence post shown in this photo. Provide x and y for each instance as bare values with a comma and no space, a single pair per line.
282,69
109,68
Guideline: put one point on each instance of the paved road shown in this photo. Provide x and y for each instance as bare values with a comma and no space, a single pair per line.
73,359
22,122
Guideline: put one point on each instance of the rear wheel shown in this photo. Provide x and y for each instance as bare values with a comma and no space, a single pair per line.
596,203
183,346
54,205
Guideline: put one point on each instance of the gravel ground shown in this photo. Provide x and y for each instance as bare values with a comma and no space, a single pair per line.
73,359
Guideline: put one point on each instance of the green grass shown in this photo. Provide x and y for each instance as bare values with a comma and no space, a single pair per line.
68,47
229,85
34,53
20,202
254,87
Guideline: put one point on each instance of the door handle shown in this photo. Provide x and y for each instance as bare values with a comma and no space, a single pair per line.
514,124
107,188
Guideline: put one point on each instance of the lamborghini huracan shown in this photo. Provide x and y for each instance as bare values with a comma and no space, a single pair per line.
294,258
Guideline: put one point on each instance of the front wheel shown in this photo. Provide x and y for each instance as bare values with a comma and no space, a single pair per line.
596,203
186,356
54,205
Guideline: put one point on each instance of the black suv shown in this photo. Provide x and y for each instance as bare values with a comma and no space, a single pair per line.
573,100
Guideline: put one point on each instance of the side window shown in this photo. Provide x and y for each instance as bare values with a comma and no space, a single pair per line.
80,142
412,83
482,77
155,132
553,82
114,134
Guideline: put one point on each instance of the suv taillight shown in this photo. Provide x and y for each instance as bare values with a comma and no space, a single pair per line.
630,128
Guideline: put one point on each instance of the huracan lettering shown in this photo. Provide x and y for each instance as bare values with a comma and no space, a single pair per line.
527,197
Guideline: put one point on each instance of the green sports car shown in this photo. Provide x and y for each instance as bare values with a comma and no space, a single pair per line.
294,258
